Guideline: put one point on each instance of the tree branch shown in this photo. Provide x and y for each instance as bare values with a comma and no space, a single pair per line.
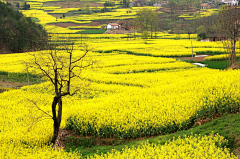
39,108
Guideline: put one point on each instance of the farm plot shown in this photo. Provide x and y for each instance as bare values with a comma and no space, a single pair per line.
188,147
158,96
164,102
118,105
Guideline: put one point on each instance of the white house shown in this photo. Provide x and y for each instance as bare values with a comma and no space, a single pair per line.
157,5
230,2
113,26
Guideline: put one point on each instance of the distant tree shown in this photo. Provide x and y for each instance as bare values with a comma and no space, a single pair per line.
172,5
145,35
135,26
196,15
105,9
87,8
189,29
202,33
26,6
69,2
9,4
209,23
153,1
107,3
153,23
146,20
167,23
228,23
125,3
18,5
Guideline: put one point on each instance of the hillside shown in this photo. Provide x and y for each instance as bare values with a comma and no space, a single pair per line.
19,33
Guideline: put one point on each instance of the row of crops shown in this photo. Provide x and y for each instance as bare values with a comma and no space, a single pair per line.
188,147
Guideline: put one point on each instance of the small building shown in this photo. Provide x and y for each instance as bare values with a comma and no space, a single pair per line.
230,2
132,4
209,7
164,2
113,26
204,5
217,37
157,5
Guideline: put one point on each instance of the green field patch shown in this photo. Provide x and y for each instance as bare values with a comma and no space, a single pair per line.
210,52
35,19
19,77
215,64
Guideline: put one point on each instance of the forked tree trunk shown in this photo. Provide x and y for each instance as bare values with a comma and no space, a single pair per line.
57,117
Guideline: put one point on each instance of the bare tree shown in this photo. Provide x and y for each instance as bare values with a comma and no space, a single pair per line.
189,29
228,22
61,65
135,26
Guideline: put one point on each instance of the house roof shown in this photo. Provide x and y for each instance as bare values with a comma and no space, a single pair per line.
218,35
204,4
238,21
113,24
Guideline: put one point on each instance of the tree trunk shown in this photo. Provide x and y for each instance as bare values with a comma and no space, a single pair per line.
59,111
155,33
234,52
151,30
56,117
134,31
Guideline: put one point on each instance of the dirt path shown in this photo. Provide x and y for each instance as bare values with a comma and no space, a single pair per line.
11,84
65,25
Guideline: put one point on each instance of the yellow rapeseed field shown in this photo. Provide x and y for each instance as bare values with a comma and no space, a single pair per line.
160,95
135,90
187,148
220,57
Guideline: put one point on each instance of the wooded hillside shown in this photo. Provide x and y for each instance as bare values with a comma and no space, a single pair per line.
19,33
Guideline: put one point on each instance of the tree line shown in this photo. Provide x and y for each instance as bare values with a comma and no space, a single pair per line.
148,20
19,33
